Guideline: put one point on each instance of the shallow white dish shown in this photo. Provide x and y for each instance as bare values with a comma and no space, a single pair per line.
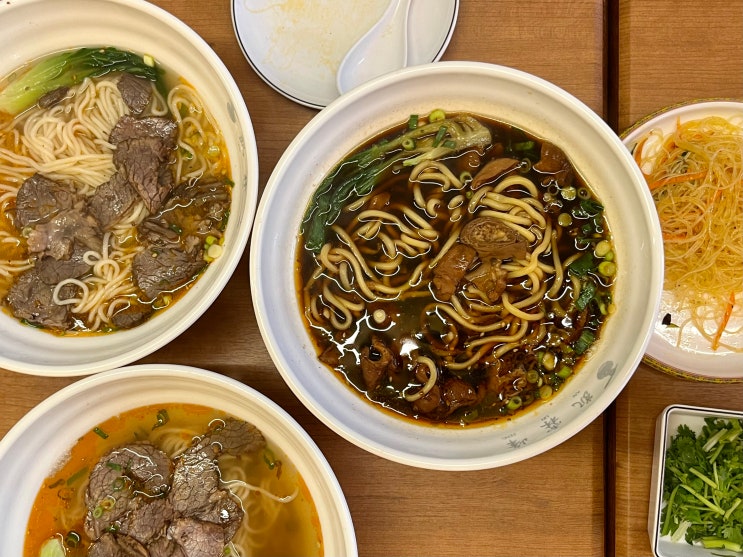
527,102
144,28
692,359
296,47
32,448
666,428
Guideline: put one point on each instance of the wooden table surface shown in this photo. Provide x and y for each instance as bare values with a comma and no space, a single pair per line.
588,496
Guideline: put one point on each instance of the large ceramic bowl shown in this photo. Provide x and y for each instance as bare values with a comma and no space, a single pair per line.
32,28
35,445
514,97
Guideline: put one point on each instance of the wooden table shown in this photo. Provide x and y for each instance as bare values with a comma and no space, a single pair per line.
588,496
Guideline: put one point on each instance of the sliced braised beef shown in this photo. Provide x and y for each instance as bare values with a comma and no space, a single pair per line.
163,269
39,199
135,91
52,270
451,269
53,97
232,437
112,200
195,478
147,519
112,545
197,538
131,315
164,547
31,299
143,148
490,278
139,160
117,477
129,127
494,170
58,237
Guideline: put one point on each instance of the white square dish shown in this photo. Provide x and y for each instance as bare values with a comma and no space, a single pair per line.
666,428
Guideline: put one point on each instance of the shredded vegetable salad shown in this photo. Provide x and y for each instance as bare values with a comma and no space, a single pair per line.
695,174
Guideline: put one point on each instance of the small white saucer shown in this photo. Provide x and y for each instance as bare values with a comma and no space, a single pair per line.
296,47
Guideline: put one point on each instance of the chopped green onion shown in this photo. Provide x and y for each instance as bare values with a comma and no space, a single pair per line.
514,403
408,144
77,475
587,293
175,228
465,177
113,465
523,146
102,434
437,115
269,458
118,484
439,136
545,391
602,248
607,268
568,193
532,376
564,220
565,372
584,342
413,122
162,418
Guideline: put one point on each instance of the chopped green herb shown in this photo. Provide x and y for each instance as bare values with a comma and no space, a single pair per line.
100,433
162,418
703,485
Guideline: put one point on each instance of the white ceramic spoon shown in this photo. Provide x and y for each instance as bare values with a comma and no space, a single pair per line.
382,49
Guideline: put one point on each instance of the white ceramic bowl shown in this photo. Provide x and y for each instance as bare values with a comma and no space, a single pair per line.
32,28
30,450
666,427
527,102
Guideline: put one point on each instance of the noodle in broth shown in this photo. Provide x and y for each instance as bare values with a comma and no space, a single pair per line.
69,143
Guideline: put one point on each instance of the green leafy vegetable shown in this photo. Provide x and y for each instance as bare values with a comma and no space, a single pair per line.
357,175
703,485
70,68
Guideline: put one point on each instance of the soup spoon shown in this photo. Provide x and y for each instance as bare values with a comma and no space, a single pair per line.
382,49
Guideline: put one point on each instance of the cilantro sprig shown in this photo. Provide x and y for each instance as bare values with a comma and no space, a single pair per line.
703,485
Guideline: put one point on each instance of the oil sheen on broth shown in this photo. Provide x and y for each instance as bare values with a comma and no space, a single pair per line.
455,270
279,514
115,193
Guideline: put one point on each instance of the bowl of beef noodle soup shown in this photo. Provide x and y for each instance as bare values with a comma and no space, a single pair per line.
167,459
474,262
128,182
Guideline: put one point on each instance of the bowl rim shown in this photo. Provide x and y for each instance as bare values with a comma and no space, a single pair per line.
208,295
348,431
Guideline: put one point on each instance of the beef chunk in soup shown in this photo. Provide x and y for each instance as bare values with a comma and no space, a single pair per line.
493,238
163,269
118,476
135,91
553,161
39,199
490,278
30,298
53,97
232,437
197,538
451,270
112,545
143,147
493,170
52,270
129,127
140,160
147,519
58,237
112,200
164,547
131,316
377,363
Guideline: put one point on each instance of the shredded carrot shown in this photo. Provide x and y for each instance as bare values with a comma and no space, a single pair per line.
638,155
676,179
724,322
